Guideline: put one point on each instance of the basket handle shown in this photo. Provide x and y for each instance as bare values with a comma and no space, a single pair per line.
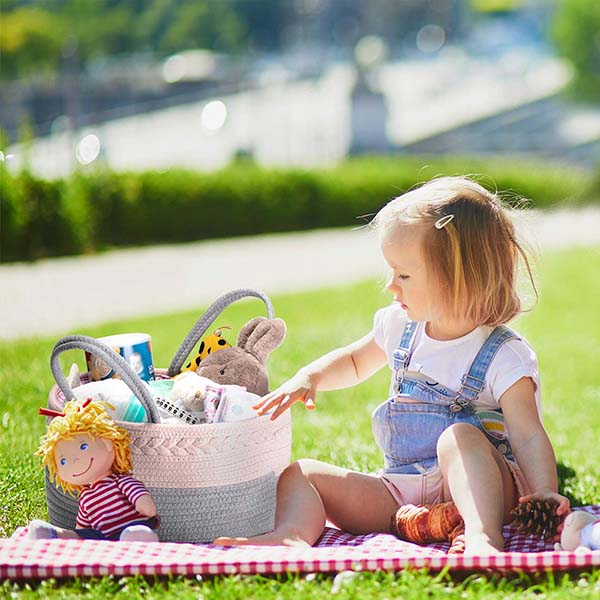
204,322
112,359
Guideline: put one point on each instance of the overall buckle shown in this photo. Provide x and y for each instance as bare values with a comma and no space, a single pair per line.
477,387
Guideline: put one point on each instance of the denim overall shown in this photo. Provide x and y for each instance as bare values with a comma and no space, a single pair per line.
407,432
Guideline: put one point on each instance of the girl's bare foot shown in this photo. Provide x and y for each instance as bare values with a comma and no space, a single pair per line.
483,545
275,538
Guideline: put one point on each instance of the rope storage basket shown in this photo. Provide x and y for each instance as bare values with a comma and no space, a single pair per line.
207,480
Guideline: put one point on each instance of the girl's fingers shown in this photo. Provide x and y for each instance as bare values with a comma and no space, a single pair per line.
563,502
281,401
261,402
563,507
268,402
269,405
309,399
284,405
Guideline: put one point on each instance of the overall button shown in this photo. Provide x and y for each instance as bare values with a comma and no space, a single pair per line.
455,407
502,448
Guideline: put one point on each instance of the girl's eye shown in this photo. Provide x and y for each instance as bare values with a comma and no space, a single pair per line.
63,461
83,446
403,277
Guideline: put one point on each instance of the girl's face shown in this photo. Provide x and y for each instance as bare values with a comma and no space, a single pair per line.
83,460
409,281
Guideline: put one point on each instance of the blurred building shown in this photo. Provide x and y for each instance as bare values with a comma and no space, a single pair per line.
436,76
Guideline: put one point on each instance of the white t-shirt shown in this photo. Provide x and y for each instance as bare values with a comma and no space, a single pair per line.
447,361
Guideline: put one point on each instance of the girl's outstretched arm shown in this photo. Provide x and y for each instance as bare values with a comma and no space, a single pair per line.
530,443
340,368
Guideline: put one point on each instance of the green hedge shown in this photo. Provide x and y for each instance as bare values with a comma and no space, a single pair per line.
94,210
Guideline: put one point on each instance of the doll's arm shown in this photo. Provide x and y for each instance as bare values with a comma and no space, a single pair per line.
82,521
138,495
530,443
145,505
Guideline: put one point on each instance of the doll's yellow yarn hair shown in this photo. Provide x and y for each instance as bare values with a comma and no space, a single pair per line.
84,417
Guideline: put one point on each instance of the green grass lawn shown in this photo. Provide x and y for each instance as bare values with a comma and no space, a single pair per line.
564,328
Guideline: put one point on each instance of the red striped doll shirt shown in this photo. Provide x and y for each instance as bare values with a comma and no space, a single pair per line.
108,505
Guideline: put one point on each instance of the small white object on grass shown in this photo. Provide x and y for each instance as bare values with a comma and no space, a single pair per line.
341,579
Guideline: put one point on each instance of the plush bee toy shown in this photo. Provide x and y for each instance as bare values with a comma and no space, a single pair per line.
210,344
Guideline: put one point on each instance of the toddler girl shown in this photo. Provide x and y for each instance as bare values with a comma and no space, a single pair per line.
463,419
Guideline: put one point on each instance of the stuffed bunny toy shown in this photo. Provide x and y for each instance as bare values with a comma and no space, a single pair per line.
244,364
581,531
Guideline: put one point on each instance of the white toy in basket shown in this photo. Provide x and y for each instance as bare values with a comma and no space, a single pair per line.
211,480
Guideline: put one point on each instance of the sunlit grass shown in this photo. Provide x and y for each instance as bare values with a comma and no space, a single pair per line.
564,328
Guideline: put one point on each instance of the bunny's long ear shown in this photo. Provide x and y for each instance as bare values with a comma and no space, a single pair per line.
261,336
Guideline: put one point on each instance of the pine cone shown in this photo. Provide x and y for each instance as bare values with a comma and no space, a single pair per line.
426,523
537,517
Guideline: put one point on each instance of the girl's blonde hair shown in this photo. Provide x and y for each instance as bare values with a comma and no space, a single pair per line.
84,417
469,244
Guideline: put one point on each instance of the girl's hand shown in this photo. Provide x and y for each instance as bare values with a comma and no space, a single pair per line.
562,510
299,388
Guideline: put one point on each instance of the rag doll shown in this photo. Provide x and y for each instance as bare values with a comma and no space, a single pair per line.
88,455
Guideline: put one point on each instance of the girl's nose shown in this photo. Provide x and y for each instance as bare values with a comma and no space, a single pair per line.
392,286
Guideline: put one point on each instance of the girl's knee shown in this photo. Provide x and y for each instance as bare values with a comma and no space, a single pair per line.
457,437
309,466
305,467
319,474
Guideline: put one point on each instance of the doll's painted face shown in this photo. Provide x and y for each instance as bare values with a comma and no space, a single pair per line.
83,460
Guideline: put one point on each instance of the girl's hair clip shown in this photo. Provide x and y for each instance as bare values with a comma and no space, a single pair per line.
443,221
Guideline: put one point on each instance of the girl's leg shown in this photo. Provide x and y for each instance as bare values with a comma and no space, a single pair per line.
480,483
310,491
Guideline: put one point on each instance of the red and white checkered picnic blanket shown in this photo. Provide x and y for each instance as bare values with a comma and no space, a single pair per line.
21,558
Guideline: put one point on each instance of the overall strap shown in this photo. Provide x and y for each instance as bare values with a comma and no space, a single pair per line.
404,350
473,382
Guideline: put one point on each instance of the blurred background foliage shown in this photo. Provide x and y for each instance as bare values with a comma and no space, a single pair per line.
103,209
34,32
36,35
576,31
111,146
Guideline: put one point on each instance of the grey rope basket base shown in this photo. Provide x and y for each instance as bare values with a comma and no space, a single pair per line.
207,481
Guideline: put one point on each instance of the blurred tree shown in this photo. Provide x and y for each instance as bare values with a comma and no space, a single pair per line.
263,20
99,27
223,25
174,25
576,32
33,33
30,42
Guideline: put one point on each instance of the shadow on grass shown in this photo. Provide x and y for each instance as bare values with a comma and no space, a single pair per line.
567,480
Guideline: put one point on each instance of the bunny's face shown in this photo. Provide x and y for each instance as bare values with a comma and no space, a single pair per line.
235,366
